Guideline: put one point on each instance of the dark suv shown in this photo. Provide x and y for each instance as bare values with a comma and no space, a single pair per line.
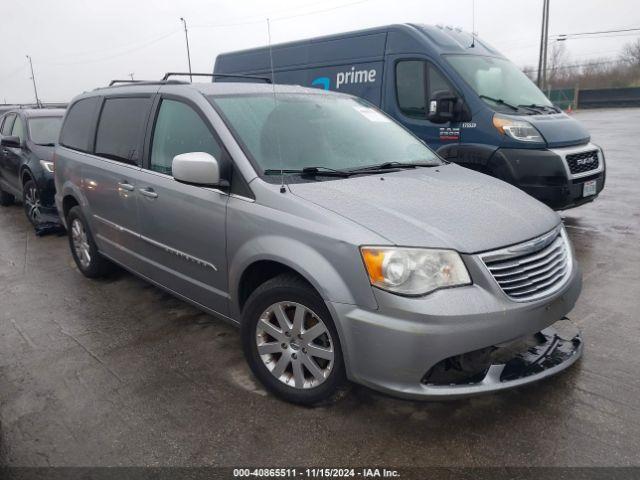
27,138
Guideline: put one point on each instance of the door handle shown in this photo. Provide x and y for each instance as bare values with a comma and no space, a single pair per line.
126,186
148,192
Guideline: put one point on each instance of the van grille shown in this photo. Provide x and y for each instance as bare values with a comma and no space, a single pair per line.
534,269
583,161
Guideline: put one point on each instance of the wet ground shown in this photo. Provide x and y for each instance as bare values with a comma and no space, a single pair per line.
116,372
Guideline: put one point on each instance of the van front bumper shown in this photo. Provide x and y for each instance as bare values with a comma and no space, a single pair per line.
547,176
404,347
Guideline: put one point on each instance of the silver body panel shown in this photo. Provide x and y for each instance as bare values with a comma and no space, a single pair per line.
197,242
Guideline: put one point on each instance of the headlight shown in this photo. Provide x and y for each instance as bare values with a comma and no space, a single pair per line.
48,166
518,129
414,271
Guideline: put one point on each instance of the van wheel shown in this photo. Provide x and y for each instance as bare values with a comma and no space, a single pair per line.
6,199
32,203
291,342
83,248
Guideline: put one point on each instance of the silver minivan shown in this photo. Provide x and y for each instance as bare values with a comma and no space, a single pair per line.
343,247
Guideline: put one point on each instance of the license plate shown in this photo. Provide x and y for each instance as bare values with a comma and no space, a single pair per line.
589,188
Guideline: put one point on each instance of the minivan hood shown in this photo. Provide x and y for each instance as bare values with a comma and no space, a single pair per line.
559,129
440,207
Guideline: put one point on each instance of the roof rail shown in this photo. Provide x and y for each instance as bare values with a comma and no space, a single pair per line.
113,82
214,75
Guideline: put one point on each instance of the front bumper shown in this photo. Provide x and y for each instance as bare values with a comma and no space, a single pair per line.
545,174
393,348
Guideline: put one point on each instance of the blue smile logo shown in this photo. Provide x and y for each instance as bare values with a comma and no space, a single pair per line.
323,82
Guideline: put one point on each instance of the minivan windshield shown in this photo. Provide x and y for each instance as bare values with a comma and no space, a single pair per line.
294,131
44,130
498,81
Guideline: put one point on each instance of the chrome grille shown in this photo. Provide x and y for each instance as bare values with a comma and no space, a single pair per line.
583,161
533,269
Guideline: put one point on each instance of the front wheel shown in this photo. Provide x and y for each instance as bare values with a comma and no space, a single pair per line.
290,341
32,203
83,248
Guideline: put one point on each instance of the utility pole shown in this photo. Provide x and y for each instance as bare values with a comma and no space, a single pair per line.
544,37
131,75
186,37
546,46
33,77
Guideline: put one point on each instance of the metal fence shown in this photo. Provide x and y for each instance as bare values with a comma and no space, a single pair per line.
595,97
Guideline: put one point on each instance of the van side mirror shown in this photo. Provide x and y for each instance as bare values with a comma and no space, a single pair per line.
196,168
12,142
444,107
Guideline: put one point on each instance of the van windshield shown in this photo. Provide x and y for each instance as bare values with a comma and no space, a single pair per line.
330,132
497,79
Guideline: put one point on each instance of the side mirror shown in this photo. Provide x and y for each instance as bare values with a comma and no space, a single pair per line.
443,107
196,168
13,142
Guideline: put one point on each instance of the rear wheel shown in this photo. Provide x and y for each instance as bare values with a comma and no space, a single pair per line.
83,248
32,203
290,341
6,199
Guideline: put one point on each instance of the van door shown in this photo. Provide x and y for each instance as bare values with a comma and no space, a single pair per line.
110,176
412,82
183,226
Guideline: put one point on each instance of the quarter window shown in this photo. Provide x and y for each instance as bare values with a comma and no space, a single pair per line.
416,82
8,124
78,125
18,129
121,128
179,129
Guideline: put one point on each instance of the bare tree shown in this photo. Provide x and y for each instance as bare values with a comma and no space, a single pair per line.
631,53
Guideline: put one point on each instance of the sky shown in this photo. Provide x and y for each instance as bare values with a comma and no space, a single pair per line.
77,45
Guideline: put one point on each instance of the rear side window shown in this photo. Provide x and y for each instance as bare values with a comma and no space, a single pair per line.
8,125
179,129
416,82
77,131
121,128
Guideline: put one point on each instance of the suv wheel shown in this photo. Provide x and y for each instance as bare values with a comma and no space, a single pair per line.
83,248
6,199
290,341
31,202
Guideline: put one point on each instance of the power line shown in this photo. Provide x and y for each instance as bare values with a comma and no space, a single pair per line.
598,32
578,65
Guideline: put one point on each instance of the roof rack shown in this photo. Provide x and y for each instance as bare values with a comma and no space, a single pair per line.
214,75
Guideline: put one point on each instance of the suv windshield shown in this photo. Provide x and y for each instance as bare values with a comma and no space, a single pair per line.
498,81
44,130
297,131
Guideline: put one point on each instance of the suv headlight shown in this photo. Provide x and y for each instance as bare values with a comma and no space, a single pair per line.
517,129
414,271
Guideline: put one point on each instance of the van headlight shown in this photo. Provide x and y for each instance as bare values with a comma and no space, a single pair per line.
517,129
414,271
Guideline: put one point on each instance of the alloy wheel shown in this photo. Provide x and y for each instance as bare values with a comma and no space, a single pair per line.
295,345
80,243
32,204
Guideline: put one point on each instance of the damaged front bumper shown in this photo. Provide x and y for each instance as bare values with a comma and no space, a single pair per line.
499,367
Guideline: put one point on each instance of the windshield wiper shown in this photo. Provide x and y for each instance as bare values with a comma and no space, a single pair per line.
499,101
389,165
542,107
322,171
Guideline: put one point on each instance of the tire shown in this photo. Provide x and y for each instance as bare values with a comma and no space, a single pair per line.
302,362
83,247
32,203
6,199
